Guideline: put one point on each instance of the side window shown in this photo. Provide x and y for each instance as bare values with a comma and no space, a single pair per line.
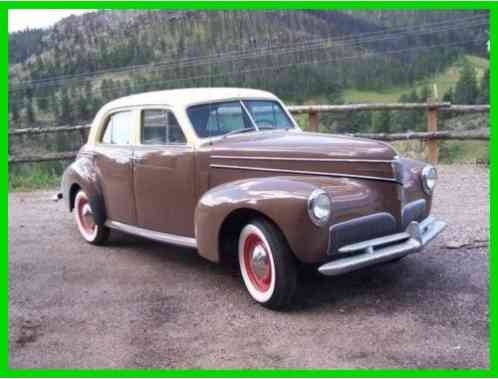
118,129
160,127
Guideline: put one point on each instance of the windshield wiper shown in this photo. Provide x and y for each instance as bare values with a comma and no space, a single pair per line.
267,127
236,131
274,128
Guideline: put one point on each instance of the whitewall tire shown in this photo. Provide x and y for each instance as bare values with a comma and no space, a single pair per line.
267,265
83,214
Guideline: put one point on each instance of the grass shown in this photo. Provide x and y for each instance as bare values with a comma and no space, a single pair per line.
464,152
33,178
450,152
443,82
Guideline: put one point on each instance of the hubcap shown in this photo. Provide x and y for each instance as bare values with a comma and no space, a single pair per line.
257,263
260,262
86,216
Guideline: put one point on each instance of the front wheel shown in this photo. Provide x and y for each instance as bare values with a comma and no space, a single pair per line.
267,265
89,230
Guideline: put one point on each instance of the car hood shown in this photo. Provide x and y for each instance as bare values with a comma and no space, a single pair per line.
302,152
303,144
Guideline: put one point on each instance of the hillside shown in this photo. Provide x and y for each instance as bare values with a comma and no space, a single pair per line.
61,75
443,81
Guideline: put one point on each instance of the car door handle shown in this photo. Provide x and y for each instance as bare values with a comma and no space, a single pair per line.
138,159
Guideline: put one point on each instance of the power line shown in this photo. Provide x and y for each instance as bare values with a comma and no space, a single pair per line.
356,44
239,53
273,50
278,67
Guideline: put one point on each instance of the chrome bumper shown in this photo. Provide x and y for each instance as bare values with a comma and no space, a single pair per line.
366,253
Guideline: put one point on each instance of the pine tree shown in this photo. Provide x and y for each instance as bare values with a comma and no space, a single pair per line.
382,122
66,109
30,113
425,93
410,120
14,110
42,103
81,105
484,88
466,89
88,90
449,95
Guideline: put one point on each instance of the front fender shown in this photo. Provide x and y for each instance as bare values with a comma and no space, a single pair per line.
283,200
82,173
412,184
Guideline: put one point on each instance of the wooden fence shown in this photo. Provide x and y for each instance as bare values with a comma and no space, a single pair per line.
431,137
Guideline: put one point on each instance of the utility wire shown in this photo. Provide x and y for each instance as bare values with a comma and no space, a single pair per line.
278,67
233,62
372,37
307,44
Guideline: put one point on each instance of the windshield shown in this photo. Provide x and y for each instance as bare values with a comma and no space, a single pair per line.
268,114
218,119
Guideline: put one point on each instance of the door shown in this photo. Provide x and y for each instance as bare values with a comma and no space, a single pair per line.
164,175
113,158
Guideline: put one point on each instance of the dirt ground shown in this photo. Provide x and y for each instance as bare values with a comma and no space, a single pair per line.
140,304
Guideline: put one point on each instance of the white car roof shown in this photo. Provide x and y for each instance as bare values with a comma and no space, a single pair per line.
182,98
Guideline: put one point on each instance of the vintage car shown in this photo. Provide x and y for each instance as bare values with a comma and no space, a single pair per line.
228,172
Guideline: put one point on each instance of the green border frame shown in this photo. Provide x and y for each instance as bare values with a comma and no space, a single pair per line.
492,371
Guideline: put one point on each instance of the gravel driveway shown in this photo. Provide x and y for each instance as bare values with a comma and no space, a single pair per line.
136,303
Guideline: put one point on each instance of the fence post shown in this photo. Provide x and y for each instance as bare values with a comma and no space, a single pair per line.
313,121
432,145
83,136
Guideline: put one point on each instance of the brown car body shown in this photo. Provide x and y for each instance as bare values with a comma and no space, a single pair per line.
200,193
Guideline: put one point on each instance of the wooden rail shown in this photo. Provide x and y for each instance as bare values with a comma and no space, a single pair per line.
57,129
64,156
431,137
430,107
475,135
444,107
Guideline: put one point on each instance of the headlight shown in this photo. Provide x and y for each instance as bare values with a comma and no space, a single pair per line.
429,178
319,207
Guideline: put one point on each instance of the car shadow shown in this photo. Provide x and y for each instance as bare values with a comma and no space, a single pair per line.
383,287
371,286
165,253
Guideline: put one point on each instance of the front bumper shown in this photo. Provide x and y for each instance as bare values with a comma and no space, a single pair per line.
383,249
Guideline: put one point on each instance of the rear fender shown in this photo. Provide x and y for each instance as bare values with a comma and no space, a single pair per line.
83,175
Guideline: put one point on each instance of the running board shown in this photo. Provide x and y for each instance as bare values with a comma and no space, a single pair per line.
153,235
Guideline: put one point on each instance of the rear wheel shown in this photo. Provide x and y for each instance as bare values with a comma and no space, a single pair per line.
267,265
83,213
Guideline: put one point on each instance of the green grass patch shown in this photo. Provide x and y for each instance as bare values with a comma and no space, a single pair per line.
443,81
450,152
481,64
36,176
464,152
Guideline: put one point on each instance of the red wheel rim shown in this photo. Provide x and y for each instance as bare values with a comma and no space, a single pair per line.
257,262
85,215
